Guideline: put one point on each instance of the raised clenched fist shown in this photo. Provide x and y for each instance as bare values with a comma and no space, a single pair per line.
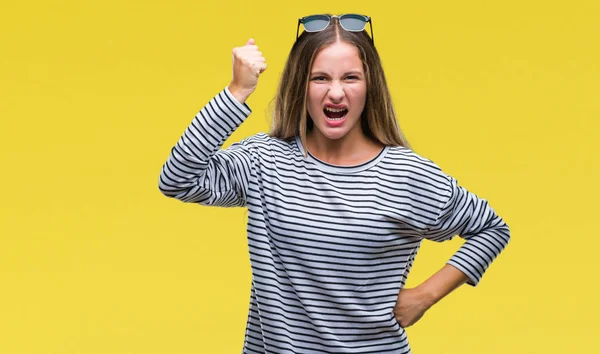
248,64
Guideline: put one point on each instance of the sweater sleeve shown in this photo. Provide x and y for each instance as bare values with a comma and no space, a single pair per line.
198,170
473,219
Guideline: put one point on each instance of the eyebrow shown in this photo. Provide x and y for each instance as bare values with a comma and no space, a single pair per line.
354,72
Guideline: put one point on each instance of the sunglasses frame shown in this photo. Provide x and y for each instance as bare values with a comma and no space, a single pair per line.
367,19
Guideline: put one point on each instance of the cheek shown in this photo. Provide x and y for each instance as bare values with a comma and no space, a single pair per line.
314,96
357,95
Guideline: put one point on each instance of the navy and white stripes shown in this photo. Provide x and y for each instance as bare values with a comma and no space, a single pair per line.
330,246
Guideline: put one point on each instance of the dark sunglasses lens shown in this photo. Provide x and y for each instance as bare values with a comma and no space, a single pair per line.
315,23
353,22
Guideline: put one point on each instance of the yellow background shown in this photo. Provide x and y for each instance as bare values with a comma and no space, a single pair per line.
503,95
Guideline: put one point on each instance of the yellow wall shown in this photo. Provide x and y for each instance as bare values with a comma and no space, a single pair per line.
503,95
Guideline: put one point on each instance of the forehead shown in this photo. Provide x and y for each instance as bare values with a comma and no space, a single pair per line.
338,56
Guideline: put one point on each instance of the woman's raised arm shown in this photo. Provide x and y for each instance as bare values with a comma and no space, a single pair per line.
197,170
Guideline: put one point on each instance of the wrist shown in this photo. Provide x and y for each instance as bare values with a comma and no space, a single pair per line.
428,295
241,95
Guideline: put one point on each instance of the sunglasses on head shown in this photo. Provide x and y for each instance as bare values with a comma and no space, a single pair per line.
349,22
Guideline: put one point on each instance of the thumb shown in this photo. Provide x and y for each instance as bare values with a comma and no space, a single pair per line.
250,41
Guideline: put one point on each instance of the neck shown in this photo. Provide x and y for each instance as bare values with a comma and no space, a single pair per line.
348,150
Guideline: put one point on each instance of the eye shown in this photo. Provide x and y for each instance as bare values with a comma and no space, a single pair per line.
352,77
318,78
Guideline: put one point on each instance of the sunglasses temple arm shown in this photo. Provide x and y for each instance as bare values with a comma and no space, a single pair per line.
371,27
297,29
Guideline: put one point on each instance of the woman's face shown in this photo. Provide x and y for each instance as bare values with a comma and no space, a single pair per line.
337,91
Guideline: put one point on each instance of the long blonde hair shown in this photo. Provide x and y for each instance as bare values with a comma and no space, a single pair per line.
290,115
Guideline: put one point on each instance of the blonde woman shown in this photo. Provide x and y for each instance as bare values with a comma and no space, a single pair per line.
338,203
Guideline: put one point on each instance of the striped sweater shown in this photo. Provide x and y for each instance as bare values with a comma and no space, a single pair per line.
330,246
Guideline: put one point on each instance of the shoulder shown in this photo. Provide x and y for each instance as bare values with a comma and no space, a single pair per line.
264,143
416,166
404,156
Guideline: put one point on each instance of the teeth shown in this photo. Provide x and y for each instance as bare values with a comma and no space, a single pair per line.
334,109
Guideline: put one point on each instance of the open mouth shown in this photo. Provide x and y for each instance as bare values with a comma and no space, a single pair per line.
335,114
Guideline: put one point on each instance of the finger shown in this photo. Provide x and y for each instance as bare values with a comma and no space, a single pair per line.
262,67
254,58
259,64
250,41
399,322
252,54
249,49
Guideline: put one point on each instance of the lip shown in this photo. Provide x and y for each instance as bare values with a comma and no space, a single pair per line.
335,106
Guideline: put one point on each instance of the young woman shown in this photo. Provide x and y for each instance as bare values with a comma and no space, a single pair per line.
338,203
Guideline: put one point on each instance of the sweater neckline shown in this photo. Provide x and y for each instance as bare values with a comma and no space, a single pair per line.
343,169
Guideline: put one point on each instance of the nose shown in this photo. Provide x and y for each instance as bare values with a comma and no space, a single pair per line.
336,91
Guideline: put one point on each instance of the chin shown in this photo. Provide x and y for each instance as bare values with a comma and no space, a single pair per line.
335,135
